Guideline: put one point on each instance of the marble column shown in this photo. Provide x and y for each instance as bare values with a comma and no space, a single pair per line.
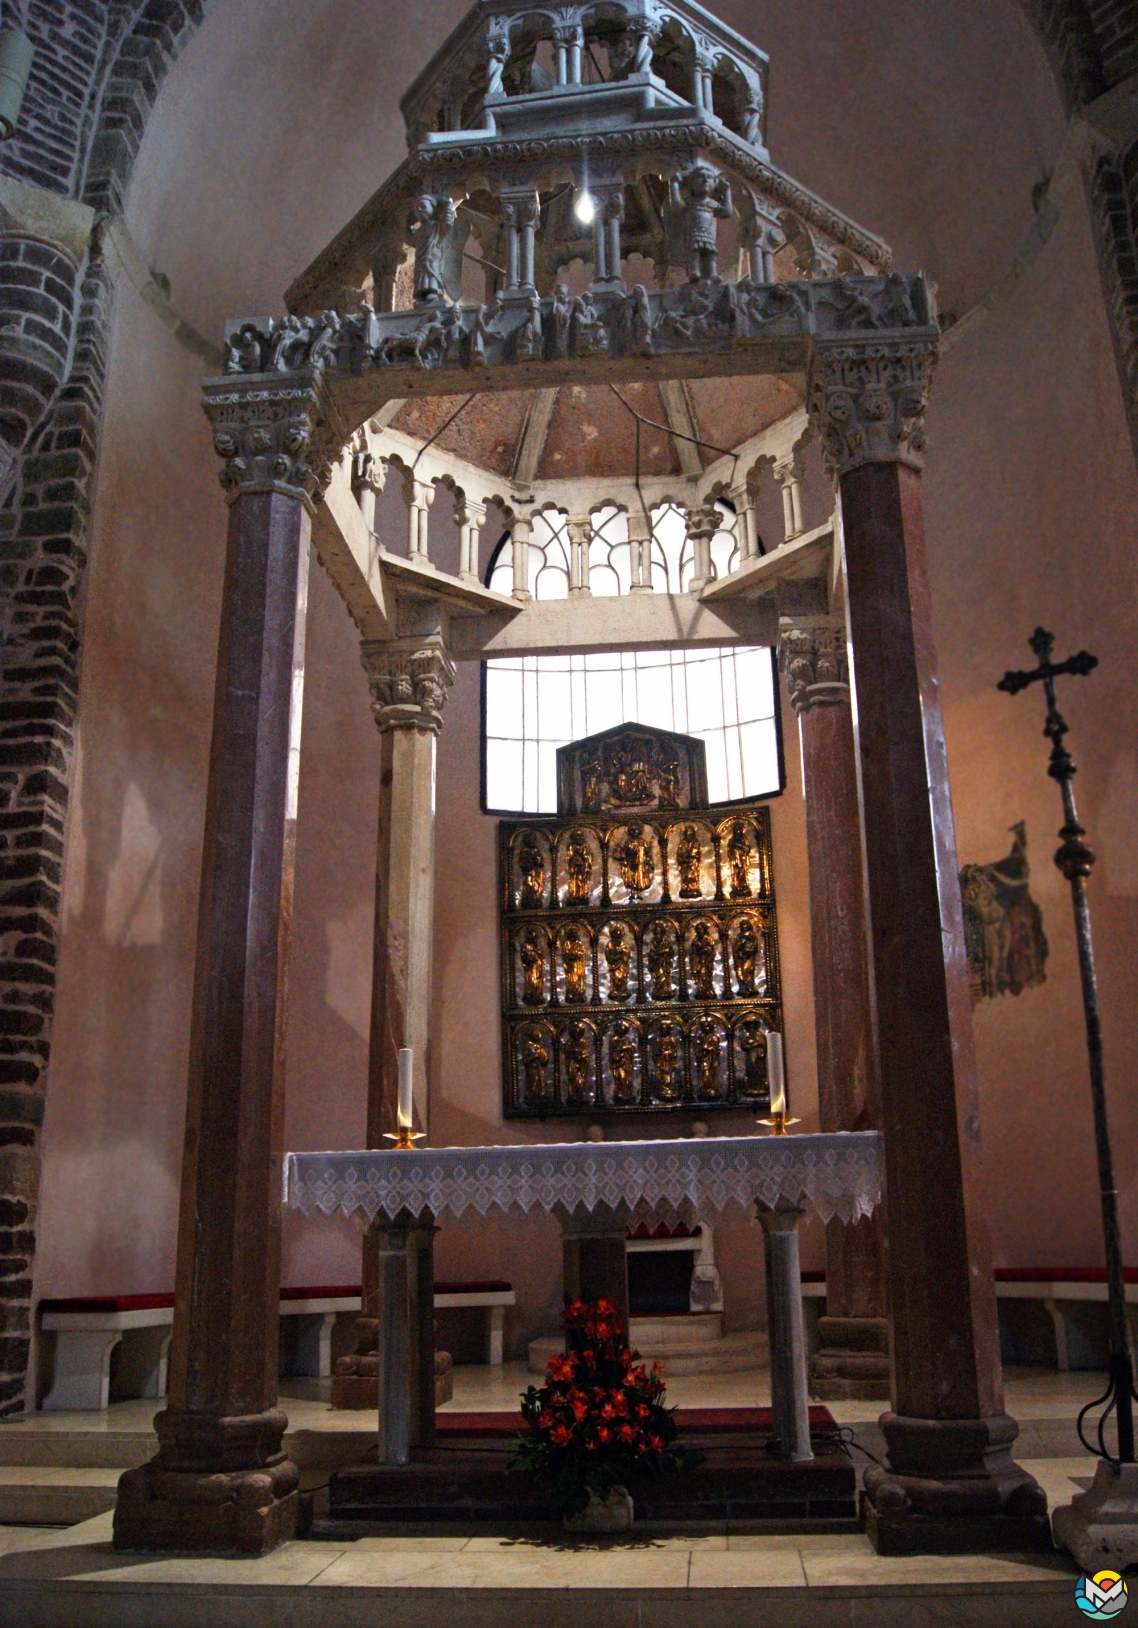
409,678
950,1483
220,1479
790,1407
853,1360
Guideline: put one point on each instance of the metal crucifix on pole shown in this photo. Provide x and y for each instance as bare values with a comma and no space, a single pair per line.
1075,859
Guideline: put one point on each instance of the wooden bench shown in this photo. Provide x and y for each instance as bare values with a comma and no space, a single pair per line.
1063,1292
88,1329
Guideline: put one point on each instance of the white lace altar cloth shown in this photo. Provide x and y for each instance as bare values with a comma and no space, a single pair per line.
836,1175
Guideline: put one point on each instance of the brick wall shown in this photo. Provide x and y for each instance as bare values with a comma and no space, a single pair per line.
98,69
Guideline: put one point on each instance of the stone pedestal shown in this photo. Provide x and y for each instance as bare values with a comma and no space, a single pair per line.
220,1479
853,1358
790,1408
951,1482
593,1255
1100,1526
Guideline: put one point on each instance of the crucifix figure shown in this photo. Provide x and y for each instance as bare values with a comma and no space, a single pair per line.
1075,859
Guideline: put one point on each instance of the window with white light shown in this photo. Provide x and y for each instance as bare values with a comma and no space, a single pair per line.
727,697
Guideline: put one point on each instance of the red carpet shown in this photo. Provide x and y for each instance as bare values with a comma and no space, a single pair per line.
708,1421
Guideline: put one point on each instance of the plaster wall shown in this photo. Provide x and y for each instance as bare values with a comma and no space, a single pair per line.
931,125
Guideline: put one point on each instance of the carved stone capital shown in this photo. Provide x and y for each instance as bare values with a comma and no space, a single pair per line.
867,401
273,435
815,665
409,680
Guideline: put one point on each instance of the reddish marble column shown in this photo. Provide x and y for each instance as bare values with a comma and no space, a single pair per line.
951,1482
853,1358
409,678
220,1479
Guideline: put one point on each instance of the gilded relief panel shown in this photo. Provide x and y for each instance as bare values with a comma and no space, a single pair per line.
639,938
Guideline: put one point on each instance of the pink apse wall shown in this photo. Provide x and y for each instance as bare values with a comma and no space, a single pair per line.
930,125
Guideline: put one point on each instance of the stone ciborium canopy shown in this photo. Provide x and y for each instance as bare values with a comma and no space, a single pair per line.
587,200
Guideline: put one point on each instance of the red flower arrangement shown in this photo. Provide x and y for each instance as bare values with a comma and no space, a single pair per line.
599,1421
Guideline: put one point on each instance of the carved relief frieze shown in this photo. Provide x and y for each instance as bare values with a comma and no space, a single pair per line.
409,680
640,964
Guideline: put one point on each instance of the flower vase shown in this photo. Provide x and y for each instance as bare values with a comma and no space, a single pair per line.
608,1512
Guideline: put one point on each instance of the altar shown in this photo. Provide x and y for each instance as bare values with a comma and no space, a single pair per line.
595,1189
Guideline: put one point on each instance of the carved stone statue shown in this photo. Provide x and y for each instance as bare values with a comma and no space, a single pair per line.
661,963
708,1049
428,227
702,952
739,858
753,1045
637,868
497,55
590,336
530,341
578,868
578,1053
573,958
533,968
666,1062
745,955
618,954
535,1060
531,865
638,321
245,348
622,1062
561,318
702,196
689,859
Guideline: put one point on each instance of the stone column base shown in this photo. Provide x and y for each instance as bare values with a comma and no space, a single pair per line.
852,1360
217,1484
952,1487
1100,1526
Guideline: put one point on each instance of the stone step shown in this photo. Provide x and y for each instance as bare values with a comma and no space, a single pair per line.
731,1354
84,1446
42,1495
675,1329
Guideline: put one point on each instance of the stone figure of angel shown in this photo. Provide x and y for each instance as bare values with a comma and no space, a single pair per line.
590,336
530,341
325,345
702,197
428,227
638,321
245,349
290,341
561,318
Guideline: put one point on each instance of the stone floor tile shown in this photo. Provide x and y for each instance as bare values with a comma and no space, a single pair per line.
748,1568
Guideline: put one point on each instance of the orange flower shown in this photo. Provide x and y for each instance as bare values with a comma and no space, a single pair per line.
560,1436
580,1409
627,1433
604,1433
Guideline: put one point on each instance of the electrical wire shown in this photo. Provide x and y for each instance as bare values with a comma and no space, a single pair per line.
445,426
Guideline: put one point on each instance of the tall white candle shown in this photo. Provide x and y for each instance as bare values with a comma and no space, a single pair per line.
776,1073
406,1117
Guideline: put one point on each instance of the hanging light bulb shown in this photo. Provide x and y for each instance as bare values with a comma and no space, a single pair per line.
584,208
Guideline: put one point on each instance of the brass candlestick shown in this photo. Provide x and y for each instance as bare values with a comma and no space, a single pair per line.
779,1123
404,1138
